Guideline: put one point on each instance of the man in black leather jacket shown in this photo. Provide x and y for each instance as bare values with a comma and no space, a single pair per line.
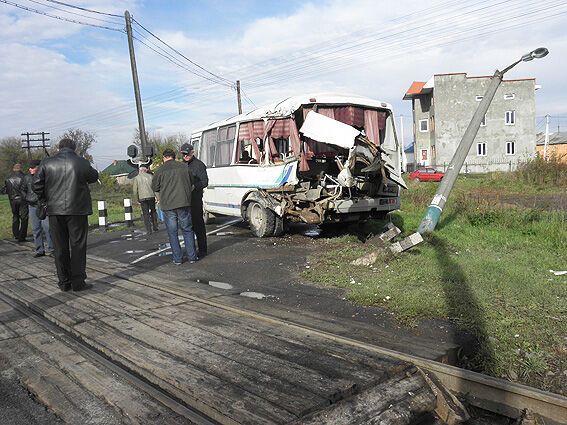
63,182
12,186
200,179
40,228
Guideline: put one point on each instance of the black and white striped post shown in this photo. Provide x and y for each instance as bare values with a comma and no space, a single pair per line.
102,215
128,216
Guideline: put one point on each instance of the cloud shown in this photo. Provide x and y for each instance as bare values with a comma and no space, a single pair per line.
55,73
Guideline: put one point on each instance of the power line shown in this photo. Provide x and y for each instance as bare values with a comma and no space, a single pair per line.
39,12
73,13
181,54
83,8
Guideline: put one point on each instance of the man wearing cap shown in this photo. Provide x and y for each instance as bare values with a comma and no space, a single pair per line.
198,172
40,228
63,183
172,181
13,187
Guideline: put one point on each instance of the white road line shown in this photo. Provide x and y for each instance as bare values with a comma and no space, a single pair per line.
182,243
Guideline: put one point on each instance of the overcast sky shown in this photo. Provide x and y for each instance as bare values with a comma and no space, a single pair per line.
56,74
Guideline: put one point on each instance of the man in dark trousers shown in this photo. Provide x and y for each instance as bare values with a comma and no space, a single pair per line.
172,181
63,182
13,187
198,172
40,228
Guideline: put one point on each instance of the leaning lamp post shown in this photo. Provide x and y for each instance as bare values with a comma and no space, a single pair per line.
435,209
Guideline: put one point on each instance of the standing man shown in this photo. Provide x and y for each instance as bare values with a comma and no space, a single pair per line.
173,183
13,187
63,182
40,228
143,193
198,172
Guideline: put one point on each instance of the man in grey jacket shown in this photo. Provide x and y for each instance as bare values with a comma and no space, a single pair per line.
173,183
143,193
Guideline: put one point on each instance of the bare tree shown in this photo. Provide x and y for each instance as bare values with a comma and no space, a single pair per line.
84,140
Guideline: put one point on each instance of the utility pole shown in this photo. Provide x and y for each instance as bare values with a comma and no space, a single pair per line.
238,98
27,141
546,137
141,125
433,213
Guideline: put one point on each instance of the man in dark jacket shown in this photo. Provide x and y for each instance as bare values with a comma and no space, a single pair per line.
13,187
63,182
40,228
198,172
172,181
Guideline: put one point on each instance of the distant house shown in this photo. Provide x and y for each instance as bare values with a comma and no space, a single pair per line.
557,145
443,107
410,157
119,169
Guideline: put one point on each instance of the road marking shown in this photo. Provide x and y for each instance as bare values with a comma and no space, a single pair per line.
182,243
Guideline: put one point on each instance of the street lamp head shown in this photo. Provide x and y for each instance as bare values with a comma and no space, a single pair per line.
540,52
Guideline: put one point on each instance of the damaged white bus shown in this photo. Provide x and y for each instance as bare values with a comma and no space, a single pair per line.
315,159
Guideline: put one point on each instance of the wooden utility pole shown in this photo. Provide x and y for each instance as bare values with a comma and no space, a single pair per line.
238,98
141,125
27,141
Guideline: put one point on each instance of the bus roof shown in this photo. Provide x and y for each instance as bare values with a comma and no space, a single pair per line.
288,106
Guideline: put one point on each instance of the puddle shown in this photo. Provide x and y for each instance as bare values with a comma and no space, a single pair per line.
255,295
215,284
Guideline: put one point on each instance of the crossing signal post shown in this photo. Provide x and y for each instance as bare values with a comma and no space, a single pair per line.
35,141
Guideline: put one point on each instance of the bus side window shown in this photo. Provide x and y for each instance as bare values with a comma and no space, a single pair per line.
225,146
208,147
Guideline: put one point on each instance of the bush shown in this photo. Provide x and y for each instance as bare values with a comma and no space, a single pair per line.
541,172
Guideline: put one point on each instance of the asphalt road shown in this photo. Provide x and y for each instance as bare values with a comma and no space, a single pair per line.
267,267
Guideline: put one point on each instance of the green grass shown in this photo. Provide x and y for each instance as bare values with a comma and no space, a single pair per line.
485,268
114,204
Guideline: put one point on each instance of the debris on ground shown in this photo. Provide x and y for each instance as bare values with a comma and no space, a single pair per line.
559,273
407,243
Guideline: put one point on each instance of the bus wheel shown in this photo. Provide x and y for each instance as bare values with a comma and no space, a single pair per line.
279,225
262,221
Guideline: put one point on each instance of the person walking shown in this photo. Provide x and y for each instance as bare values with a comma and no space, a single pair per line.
200,179
172,181
13,187
63,182
40,228
145,196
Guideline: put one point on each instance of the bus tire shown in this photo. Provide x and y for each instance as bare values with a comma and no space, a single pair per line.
279,225
262,221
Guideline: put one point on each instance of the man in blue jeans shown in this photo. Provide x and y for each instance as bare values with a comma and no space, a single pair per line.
172,181
40,228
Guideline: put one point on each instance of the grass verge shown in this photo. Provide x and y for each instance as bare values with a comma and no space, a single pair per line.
486,268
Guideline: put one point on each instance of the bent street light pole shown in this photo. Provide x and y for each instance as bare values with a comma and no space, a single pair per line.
142,127
435,209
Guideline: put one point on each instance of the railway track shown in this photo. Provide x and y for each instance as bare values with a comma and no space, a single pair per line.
488,393
192,415
482,391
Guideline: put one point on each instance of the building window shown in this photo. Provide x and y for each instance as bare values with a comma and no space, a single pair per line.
423,126
510,118
478,98
481,149
509,96
510,148
483,122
